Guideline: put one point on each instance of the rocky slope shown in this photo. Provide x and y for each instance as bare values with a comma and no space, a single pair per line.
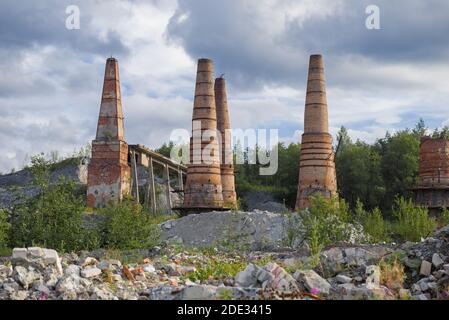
343,272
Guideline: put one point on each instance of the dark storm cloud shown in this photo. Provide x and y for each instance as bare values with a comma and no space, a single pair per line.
26,23
412,30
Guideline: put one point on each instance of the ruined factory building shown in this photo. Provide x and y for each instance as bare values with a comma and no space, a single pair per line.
317,167
433,188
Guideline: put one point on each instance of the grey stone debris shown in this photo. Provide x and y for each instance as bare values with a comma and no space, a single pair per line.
254,230
372,276
426,268
343,279
248,277
312,281
90,272
437,261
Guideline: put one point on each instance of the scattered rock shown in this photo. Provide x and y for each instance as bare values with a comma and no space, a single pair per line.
248,277
437,261
24,277
343,279
426,268
373,276
312,281
90,272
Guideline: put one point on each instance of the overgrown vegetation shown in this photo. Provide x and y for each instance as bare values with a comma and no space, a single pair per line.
392,274
216,267
412,223
53,218
128,226
329,221
4,230
326,222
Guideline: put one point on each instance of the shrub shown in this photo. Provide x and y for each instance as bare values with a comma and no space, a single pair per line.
53,218
127,226
374,225
327,222
322,208
413,223
444,218
372,221
4,229
217,267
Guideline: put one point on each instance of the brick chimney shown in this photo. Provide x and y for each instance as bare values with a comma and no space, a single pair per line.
203,185
108,172
223,125
317,167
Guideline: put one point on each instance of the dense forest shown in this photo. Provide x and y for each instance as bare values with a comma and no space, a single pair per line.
374,173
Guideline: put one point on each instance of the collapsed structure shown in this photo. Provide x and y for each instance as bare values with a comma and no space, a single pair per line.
433,188
108,172
317,167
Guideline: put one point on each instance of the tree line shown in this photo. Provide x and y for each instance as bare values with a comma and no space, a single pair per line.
374,174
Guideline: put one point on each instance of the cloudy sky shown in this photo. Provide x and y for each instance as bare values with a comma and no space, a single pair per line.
378,80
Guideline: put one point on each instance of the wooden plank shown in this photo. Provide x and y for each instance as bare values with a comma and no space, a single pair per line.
167,186
135,175
151,187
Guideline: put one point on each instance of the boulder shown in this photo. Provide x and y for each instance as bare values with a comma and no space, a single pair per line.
312,281
426,268
372,276
343,279
277,278
90,272
24,277
437,261
201,292
350,291
248,277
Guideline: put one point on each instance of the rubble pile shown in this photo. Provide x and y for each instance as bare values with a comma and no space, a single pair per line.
348,272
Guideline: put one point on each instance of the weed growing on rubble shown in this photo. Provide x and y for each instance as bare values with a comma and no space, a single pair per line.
392,274
326,222
216,267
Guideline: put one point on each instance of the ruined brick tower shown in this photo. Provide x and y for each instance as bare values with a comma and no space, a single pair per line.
433,188
108,172
317,167
223,125
203,187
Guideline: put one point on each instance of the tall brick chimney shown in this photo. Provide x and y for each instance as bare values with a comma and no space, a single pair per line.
203,187
317,167
109,174
223,125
